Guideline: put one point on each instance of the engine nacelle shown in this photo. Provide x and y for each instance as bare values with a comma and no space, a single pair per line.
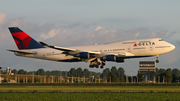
109,58
119,59
113,58
83,55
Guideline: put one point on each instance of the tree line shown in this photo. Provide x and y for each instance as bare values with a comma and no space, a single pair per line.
168,74
116,75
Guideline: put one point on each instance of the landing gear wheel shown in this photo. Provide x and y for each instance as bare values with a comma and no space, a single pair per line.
91,66
101,67
97,66
103,64
157,60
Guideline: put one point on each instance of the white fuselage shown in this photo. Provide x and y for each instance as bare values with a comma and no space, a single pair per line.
131,48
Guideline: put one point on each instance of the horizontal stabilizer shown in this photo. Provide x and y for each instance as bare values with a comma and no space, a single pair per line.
22,51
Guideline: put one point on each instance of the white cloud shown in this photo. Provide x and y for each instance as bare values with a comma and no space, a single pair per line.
15,23
51,34
98,28
136,35
153,34
2,18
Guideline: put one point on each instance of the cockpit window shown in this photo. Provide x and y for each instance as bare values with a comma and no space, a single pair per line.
160,39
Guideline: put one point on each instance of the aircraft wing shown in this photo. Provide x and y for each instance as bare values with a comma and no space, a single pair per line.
93,55
69,51
22,51
56,47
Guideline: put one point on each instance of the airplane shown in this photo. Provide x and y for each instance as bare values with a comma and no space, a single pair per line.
97,55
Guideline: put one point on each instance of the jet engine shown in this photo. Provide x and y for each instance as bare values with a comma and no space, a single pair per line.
109,58
119,59
83,55
113,58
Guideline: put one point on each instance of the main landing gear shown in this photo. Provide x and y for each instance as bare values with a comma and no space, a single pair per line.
97,64
157,60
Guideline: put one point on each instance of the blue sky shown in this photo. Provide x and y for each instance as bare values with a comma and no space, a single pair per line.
73,22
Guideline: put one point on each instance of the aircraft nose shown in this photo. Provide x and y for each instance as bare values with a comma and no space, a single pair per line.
173,47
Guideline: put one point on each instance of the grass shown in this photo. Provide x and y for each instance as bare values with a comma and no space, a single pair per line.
89,84
89,92
88,96
91,88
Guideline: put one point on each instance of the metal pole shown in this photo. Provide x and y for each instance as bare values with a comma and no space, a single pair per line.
0,74
78,79
66,77
38,75
23,79
60,76
16,78
40,79
33,77
91,77
106,79
99,78
110,79
52,79
163,78
45,78
84,77
131,78
26,79
158,79
126,79
137,79
72,79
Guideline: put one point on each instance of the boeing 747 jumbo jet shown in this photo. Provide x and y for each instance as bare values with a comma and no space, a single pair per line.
97,55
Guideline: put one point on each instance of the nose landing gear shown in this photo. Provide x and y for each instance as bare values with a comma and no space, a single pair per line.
157,60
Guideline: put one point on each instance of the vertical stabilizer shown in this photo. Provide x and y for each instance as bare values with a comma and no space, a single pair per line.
23,40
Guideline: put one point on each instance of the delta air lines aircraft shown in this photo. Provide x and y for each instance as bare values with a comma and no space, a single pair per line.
97,55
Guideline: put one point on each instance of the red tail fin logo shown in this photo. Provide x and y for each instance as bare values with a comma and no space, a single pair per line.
22,40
